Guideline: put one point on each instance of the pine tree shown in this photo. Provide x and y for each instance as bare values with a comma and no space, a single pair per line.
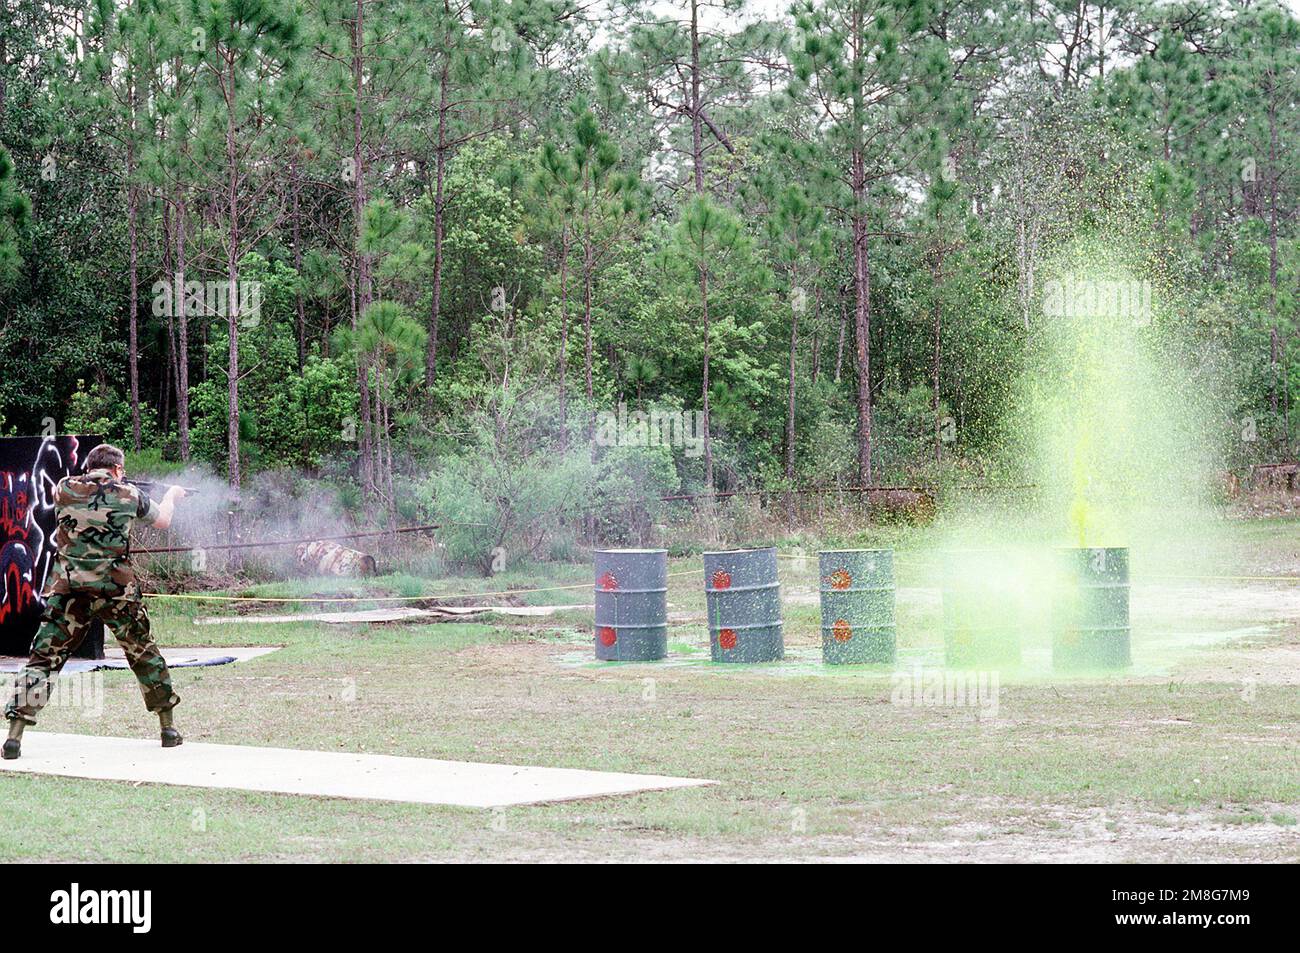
15,212
168,166
375,86
482,72
877,78
555,189
798,238
706,236
1268,88
117,81
248,94
607,203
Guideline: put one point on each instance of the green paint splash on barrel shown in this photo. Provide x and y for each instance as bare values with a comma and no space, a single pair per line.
1112,419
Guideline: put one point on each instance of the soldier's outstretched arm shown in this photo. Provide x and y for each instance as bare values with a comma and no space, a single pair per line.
167,508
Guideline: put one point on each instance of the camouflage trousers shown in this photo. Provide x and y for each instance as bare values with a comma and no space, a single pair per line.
64,624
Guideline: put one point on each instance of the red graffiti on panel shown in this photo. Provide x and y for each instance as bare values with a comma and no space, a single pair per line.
16,557
30,470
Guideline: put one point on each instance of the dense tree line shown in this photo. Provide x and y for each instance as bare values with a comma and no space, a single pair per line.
424,247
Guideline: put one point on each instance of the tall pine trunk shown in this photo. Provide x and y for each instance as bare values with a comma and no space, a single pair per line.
439,201
133,240
133,303
361,270
183,339
697,130
167,389
839,348
300,316
789,415
861,270
817,335
936,276
708,441
697,156
182,316
862,320
4,62
564,334
1275,334
232,298
588,269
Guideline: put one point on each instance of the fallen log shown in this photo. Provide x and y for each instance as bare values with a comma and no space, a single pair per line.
331,559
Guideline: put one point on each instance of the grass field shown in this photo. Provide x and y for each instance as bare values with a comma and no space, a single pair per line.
1193,756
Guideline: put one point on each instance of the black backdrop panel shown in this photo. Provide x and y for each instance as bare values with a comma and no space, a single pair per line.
29,469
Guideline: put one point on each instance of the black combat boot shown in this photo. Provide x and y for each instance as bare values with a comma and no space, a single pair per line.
14,744
170,736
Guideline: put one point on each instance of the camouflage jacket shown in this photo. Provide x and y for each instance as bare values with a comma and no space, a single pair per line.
93,539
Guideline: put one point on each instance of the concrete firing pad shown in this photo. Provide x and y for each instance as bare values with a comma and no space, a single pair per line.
322,773
395,614
115,657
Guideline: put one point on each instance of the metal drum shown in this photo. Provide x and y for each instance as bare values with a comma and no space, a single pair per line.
744,606
1091,617
981,610
631,605
857,594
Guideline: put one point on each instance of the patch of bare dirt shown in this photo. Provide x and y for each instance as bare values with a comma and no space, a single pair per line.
1098,835
1021,835
1250,667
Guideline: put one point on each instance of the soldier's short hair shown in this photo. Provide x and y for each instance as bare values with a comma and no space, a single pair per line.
104,457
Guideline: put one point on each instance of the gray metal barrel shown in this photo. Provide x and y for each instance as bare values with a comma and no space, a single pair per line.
1091,612
981,613
631,605
857,590
744,606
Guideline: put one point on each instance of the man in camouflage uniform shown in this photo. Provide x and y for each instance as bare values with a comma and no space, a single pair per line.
93,578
